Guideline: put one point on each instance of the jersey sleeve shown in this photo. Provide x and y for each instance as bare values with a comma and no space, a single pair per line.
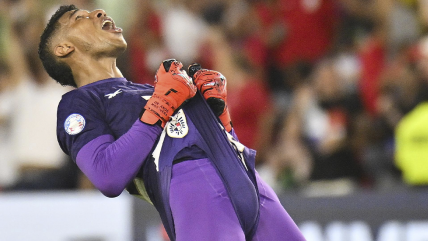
79,120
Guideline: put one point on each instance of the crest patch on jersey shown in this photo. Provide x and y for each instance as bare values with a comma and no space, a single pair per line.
74,124
177,127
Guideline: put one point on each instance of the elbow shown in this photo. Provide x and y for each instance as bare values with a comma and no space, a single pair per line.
110,189
111,194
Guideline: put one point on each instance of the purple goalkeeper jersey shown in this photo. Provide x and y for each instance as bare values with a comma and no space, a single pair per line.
98,127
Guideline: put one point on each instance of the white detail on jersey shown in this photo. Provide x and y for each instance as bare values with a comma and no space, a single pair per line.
157,151
111,95
238,147
146,97
177,127
74,124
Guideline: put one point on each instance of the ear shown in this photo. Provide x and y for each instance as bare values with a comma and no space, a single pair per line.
63,49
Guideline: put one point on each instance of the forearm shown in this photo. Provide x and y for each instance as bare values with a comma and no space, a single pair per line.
111,164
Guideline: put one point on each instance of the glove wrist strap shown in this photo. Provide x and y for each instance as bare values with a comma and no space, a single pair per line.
157,108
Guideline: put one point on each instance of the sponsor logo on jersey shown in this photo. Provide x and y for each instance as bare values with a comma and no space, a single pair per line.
74,124
111,95
177,127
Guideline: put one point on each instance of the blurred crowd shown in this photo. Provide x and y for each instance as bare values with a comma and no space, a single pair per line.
331,93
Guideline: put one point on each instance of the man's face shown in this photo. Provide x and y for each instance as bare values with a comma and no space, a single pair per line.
93,33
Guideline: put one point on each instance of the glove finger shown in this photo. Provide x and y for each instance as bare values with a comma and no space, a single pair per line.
204,77
167,64
163,68
193,68
175,67
200,73
183,72
207,74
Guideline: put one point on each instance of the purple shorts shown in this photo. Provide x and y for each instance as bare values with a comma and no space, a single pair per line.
202,209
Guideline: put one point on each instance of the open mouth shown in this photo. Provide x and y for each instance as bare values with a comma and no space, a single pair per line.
108,25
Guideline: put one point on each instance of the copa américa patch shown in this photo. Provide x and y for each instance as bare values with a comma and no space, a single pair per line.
74,124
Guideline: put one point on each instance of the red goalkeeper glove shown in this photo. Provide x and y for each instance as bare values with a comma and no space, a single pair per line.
172,87
212,85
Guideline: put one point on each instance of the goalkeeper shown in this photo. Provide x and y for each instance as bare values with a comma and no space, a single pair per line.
161,143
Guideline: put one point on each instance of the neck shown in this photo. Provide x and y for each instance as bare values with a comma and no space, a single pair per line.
89,70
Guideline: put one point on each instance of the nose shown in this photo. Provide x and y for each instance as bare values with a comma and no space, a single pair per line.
99,13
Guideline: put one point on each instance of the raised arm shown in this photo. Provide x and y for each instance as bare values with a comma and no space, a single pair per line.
111,164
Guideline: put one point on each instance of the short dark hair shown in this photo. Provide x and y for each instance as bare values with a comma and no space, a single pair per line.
59,71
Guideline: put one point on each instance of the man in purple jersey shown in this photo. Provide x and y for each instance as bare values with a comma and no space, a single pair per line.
162,143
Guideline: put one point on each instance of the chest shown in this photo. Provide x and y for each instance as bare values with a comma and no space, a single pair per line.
123,106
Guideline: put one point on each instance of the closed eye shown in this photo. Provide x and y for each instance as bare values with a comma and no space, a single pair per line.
79,16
